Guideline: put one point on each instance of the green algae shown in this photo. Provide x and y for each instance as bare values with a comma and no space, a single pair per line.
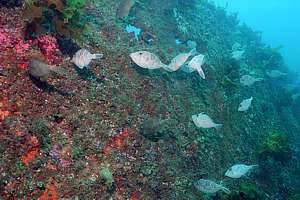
106,174
72,8
39,127
275,145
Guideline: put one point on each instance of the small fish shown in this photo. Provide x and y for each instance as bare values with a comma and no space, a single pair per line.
196,64
147,60
43,71
210,187
202,120
237,55
248,80
83,57
276,74
179,60
238,170
245,104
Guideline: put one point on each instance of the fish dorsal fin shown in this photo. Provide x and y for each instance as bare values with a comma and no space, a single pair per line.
193,51
201,72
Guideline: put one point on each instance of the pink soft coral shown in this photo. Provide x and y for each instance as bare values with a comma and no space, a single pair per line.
49,48
12,39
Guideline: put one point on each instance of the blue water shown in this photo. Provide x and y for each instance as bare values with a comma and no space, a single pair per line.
278,20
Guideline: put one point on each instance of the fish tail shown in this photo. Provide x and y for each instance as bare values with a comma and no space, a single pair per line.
254,166
218,126
97,55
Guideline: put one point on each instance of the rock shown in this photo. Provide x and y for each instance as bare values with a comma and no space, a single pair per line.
11,3
67,46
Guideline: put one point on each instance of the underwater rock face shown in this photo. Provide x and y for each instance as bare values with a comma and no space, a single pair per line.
108,138
67,46
11,3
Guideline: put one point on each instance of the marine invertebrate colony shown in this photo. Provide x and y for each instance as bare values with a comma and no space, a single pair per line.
49,48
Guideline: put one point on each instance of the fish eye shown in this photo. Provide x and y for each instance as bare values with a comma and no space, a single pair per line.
140,53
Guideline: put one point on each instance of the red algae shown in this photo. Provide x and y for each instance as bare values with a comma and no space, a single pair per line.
4,108
31,155
33,152
50,193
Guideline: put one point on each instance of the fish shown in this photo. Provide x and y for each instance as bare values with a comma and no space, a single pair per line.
237,55
196,64
238,170
276,74
209,187
146,60
124,8
42,71
245,104
83,57
248,80
202,120
179,60
186,69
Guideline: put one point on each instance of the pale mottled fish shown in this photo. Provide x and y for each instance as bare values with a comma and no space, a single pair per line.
43,71
209,187
276,74
238,170
202,120
245,104
237,55
146,60
248,80
196,64
83,57
179,60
